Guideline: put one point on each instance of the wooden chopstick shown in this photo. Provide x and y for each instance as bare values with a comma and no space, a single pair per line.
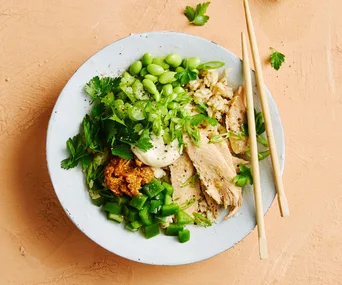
282,200
254,151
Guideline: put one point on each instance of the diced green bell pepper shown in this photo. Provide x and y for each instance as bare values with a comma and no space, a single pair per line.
153,188
138,201
167,199
133,214
159,196
145,216
183,218
173,229
184,236
136,224
112,207
130,228
168,188
152,230
155,206
168,210
115,217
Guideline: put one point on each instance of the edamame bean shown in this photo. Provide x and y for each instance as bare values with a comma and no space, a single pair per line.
160,60
167,89
195,70
178,90
146,59
151,77
191,62
179,69
135,68
155,69
167,77
174,59
143,71
151,88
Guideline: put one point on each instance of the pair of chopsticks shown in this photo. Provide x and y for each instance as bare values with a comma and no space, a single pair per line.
282,200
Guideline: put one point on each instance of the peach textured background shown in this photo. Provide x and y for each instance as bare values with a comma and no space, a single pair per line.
42,42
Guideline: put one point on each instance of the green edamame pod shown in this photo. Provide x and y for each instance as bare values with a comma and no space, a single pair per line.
167,77
146,59
191,62
135,68
155,69
160,60
143,71
151,88
180,69
167,89
151,77
174,59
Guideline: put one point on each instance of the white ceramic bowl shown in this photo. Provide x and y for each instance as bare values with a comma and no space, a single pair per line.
71,107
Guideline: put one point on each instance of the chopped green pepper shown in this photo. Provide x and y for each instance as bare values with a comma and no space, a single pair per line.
173,229
136,224
167,200
184,218
133,215
184,236
153,188
159,196
145,216
152,230
155,206
168,188
112,207
138,201
115,217
130,228
168,210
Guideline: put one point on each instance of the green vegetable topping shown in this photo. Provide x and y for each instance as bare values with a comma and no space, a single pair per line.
276,59
244,177
196,16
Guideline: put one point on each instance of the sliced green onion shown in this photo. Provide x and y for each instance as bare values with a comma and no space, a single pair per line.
211,65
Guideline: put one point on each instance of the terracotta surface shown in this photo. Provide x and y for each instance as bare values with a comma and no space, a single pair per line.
43,42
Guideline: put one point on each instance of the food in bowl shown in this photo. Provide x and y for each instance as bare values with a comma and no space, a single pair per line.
165,145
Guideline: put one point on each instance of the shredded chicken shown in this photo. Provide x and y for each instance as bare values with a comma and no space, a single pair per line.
235,118
125,176
216,172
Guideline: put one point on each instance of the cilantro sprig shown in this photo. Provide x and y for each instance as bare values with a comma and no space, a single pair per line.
244,177
196,16
276,59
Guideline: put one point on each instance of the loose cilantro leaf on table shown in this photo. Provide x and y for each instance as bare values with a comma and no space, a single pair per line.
276,59
196,16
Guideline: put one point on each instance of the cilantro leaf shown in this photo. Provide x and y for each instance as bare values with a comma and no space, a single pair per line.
185,76
91,133
197,16
144,142
78,153
123,150
244,177
115,118
276,59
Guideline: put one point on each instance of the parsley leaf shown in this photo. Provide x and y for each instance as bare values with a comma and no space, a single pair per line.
197,16
276,59
244,177
185,76
78,153
99,87
123,150
144,142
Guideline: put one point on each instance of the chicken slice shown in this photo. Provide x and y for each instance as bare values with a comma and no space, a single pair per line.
236,116
181,170
216,173
213,207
